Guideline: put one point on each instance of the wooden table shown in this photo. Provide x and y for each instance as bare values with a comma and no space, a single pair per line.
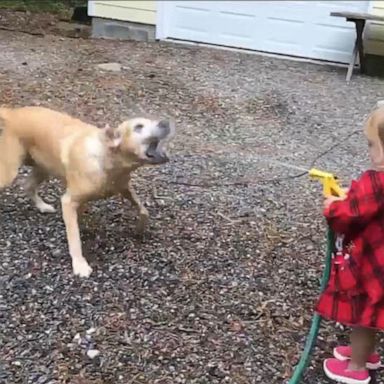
360,20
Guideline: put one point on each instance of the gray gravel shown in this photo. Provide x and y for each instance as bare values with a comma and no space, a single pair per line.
221,289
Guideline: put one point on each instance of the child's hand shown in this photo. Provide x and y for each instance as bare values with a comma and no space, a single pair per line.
329,200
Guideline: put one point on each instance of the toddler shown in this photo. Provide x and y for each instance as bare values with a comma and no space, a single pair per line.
354,295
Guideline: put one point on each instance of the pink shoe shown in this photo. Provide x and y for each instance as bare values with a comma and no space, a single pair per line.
338,370
344,353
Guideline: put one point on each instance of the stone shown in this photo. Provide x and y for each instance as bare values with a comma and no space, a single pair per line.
92,353
113,67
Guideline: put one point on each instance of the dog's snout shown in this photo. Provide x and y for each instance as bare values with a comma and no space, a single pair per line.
164,126
156,157
150,153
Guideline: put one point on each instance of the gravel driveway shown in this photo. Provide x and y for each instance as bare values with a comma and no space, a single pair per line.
222,287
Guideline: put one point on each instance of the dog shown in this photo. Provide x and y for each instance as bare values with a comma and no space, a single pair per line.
93,163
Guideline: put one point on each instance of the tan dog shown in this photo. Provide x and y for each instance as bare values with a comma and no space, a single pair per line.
93,163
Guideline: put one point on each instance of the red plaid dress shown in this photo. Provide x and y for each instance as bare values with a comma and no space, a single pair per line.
354,295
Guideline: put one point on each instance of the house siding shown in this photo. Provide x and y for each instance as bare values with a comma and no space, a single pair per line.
374,33
143,12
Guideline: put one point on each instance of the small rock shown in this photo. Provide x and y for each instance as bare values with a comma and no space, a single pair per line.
92,353
77,338
113,67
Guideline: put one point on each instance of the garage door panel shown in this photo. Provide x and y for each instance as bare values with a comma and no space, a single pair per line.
237,25
198,5
293,31
334,49
246,7
285,19
190,19
235,15
329,25
335,37
227,39
298,28
286,10
343,5
283,48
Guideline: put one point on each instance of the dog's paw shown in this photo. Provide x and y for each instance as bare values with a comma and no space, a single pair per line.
82,269
43,207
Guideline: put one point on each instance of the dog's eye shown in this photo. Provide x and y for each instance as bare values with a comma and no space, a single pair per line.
138,127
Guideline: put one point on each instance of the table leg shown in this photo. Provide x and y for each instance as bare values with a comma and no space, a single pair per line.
360,24
352,62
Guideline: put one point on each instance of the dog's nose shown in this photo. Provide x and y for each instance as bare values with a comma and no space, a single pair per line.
165,127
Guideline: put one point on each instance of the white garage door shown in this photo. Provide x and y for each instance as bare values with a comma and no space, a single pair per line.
298,28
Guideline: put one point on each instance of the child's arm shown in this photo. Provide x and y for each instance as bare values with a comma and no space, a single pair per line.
364,201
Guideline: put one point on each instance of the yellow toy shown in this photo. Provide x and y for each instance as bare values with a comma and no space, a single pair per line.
329,181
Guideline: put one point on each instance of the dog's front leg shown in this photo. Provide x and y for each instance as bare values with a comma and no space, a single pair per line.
79,264
131,195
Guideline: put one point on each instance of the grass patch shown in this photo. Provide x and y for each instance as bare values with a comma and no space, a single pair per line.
49,6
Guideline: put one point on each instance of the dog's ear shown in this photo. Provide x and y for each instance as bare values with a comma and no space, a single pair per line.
113,136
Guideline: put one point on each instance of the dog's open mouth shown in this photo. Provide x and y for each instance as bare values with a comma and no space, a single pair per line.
156,160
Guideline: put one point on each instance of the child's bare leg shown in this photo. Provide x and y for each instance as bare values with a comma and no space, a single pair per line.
363,342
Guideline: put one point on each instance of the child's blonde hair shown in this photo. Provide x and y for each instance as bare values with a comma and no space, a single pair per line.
374,126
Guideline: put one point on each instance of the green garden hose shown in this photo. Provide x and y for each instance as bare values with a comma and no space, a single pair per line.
316,320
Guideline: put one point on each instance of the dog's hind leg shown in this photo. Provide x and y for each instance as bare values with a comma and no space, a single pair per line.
37,176
12,155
